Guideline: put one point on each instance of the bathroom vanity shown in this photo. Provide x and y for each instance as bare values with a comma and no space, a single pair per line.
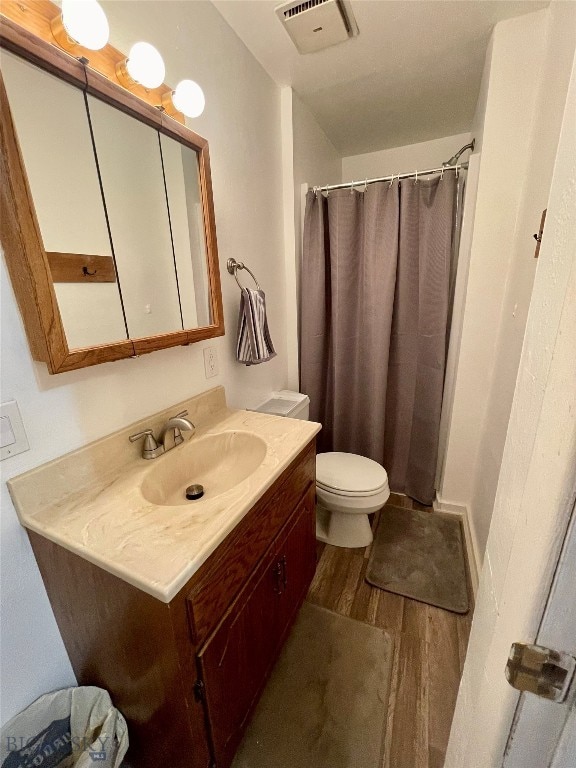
178,609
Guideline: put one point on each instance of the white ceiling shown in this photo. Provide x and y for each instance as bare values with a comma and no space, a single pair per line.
411,75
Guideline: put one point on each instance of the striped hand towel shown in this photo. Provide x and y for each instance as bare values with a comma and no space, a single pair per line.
254,344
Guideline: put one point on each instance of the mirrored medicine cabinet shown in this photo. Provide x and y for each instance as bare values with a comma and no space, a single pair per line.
107,214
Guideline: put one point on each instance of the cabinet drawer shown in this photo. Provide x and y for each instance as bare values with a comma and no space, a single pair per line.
227,569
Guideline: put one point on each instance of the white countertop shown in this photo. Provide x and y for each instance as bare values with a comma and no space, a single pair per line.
90,502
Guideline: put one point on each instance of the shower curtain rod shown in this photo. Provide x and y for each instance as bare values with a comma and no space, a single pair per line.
449,165
393,176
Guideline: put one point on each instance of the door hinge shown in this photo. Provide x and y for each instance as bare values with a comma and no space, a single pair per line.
543,671
199,693
538,235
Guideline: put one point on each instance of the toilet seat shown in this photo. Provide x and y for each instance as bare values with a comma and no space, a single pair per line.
340,492
347,474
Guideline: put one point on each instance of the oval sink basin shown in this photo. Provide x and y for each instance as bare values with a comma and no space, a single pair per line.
218,462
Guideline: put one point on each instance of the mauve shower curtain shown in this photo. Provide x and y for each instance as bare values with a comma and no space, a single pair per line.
373,327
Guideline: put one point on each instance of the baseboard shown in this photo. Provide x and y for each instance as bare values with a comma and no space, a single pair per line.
440,505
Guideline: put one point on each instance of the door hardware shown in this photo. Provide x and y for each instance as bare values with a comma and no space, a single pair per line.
538,235
278,578
199,690
543,671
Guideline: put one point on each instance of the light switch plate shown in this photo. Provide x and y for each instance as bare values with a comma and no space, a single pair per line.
210,362
13,438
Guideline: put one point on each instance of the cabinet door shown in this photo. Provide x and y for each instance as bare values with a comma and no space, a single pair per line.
298,561
238,657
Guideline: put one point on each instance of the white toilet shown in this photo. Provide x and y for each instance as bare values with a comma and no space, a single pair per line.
348,487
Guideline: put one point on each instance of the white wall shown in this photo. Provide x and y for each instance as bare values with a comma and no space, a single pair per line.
64,412
411,157
316,161
310,159
535,493
480,111
465,244
529,65
560,45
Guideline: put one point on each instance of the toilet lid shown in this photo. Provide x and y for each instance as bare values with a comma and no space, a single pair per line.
349,472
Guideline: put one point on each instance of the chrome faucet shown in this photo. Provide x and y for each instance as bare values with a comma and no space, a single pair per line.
175,426
153,448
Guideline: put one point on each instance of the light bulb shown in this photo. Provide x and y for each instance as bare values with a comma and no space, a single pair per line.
188,98
144,66
84,22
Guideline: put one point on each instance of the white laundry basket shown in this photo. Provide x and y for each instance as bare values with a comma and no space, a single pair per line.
72,727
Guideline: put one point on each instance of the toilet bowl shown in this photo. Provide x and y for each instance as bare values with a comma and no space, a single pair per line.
348,487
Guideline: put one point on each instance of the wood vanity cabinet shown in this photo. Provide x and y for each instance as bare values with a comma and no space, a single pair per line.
237,658
187,674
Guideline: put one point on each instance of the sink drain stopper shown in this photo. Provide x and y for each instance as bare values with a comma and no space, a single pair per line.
194,492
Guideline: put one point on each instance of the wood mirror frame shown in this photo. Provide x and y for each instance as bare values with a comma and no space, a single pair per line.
24,250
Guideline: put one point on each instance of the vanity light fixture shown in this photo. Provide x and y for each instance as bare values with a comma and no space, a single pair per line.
187,98
81,22
144,66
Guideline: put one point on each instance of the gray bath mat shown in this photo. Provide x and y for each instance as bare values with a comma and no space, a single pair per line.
420,555
325,704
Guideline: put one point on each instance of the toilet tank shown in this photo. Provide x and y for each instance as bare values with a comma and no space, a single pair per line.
286,403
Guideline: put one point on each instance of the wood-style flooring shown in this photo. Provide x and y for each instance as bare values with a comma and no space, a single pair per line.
429,650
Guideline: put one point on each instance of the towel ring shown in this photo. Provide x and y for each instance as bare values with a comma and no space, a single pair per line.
233,266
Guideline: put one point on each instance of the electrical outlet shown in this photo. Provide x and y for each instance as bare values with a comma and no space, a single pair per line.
210,362
13,438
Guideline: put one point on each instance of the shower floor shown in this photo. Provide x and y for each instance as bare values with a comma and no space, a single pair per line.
429,651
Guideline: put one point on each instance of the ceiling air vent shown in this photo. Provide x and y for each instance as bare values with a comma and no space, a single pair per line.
317,24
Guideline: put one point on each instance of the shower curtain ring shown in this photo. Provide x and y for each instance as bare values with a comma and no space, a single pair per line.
442,173
365,184
457,170
391,180
352,188
415,177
